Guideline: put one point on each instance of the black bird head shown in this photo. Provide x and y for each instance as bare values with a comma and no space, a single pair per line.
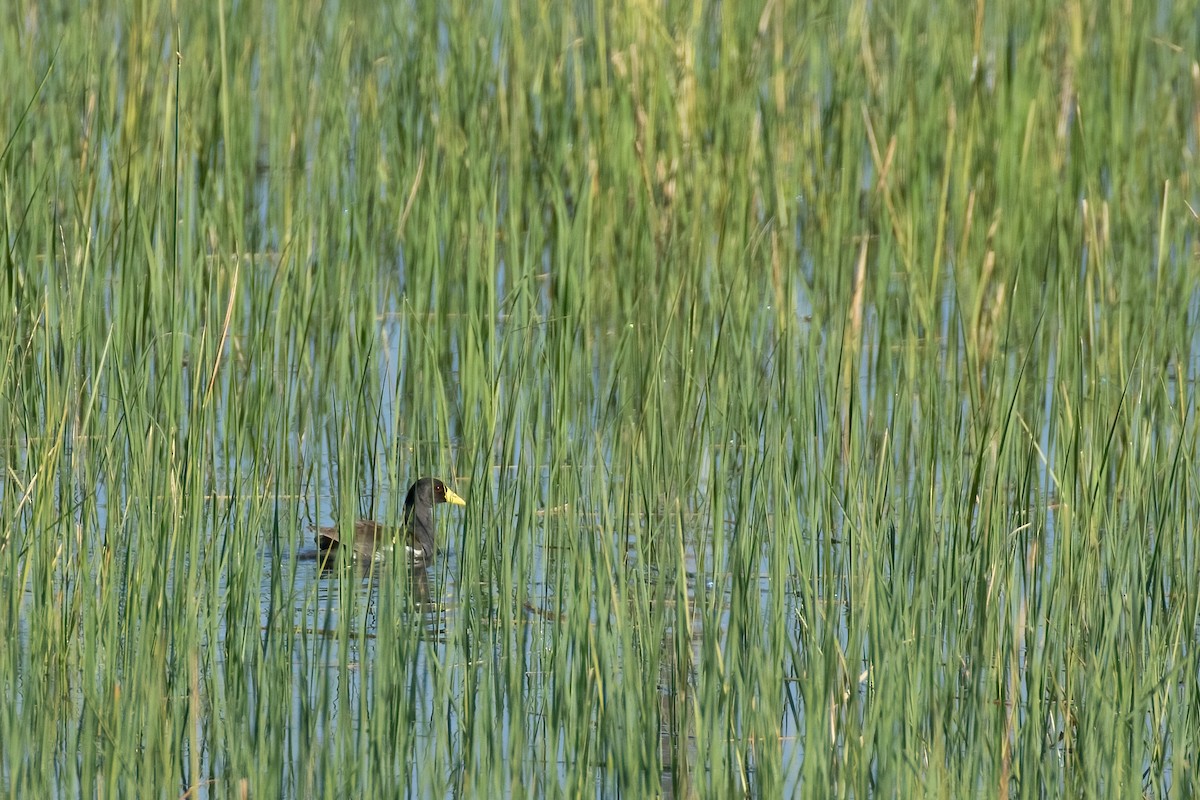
418,515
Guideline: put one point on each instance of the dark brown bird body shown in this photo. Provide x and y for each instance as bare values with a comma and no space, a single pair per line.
415,535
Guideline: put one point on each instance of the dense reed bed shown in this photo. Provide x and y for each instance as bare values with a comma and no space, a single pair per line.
820,379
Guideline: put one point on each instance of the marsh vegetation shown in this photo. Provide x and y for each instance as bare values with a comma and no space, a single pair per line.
820,379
